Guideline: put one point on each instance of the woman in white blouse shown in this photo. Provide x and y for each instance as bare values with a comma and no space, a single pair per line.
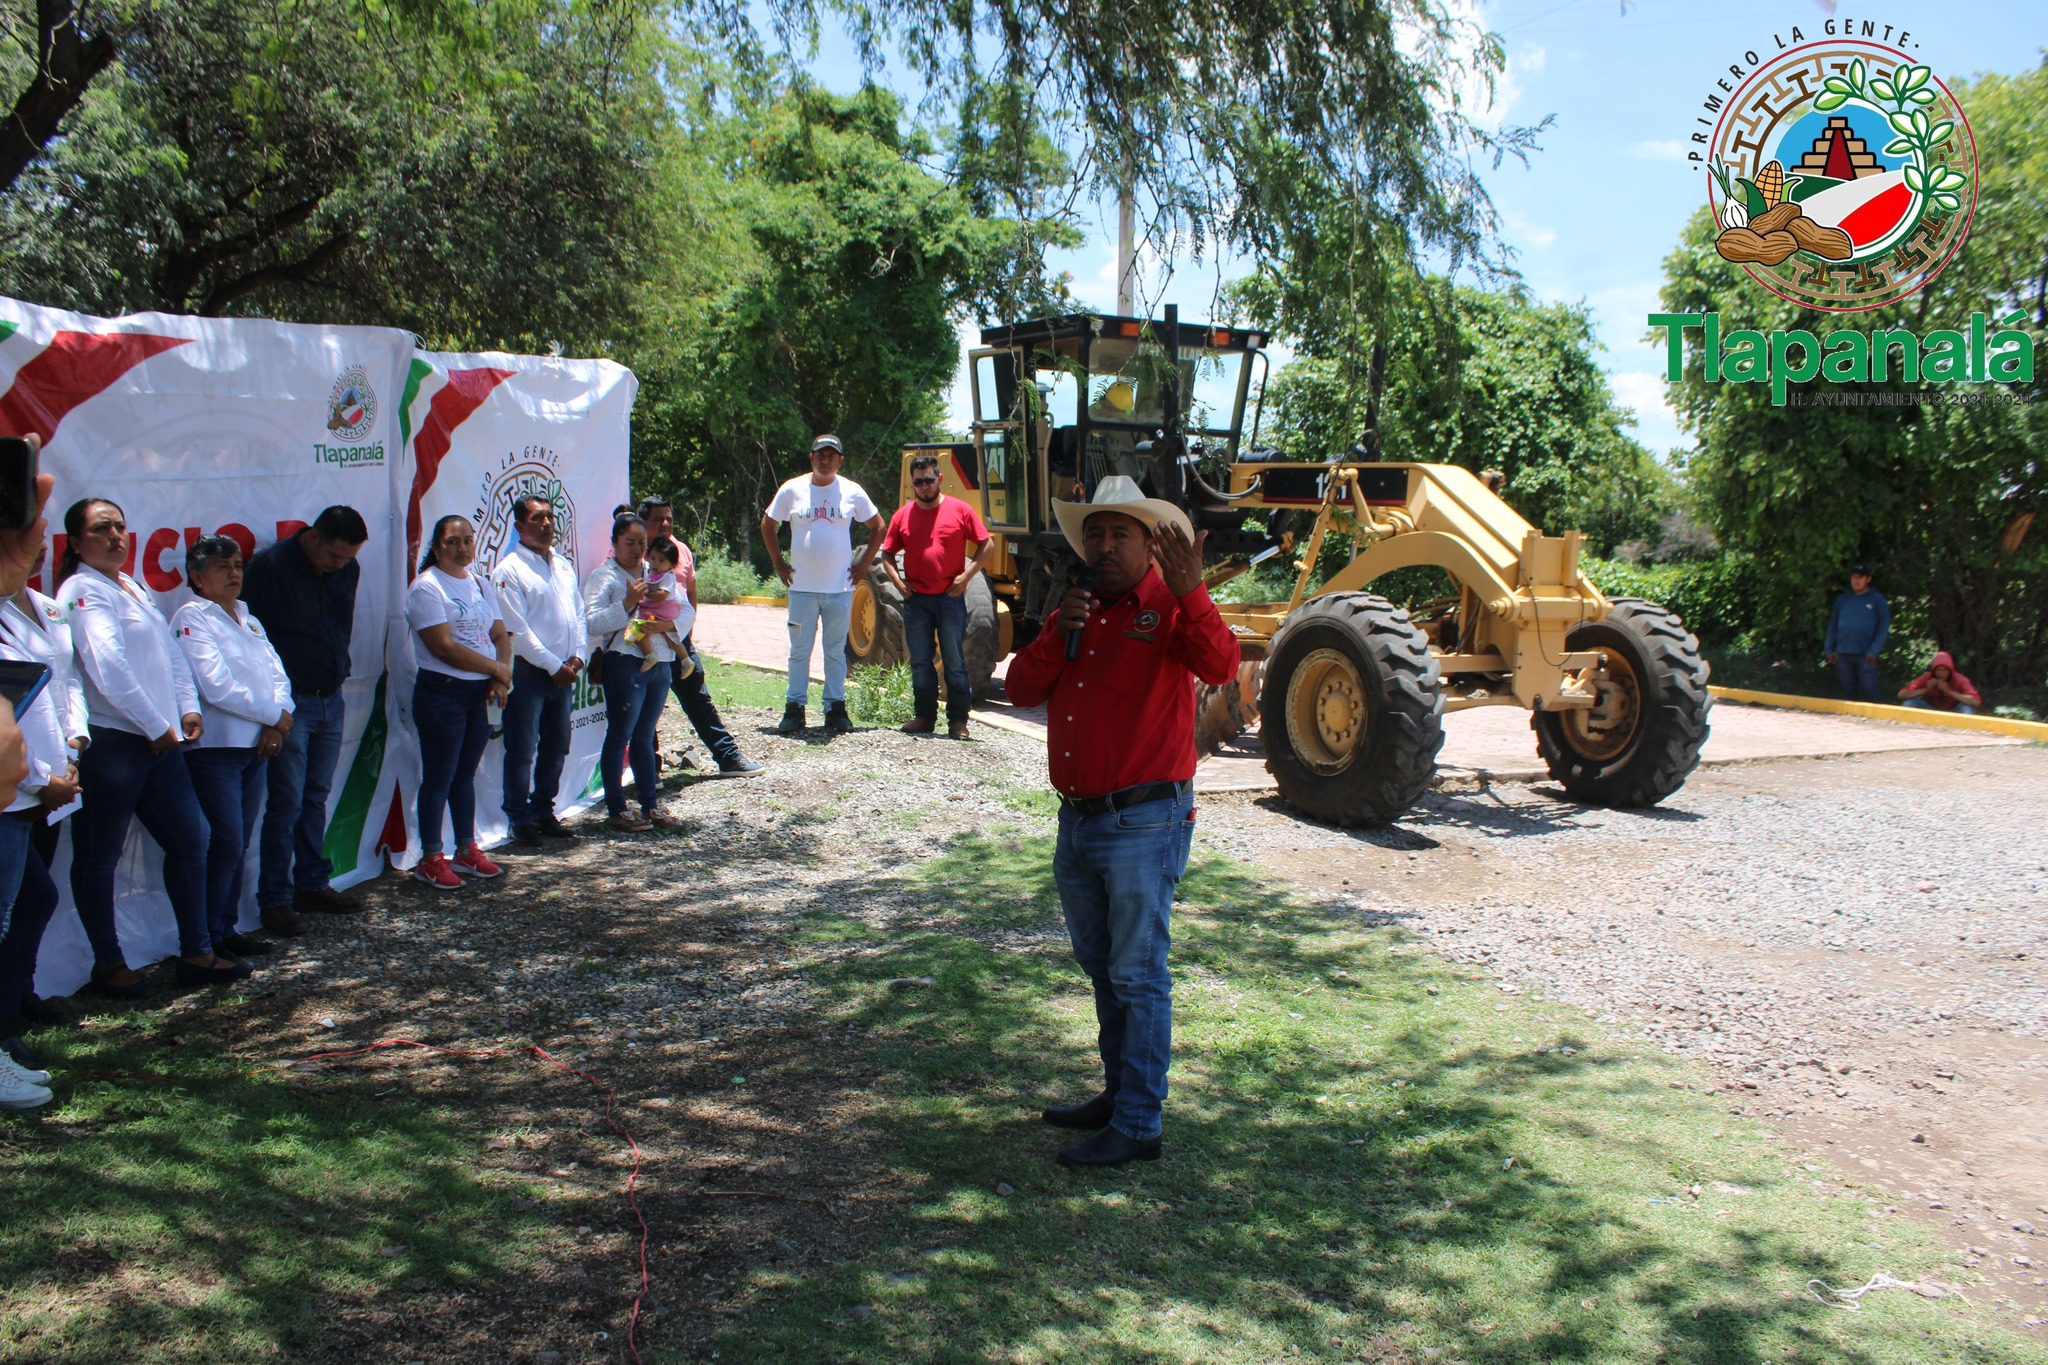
465,662
245,702
632,698
142,705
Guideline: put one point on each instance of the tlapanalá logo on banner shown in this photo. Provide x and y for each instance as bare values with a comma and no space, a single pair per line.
351,412
528,473
1842,176
1842,173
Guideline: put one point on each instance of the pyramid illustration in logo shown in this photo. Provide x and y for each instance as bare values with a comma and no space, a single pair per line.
1838,154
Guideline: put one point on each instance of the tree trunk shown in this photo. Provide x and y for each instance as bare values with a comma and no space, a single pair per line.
66,62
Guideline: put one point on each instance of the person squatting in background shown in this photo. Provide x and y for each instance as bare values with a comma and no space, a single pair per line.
465,663
1941,688
245,703
141,705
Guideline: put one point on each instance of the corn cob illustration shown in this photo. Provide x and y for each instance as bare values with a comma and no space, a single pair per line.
1770,182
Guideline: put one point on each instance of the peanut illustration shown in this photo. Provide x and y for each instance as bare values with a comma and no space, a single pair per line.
1764,224
1828,243
1743,245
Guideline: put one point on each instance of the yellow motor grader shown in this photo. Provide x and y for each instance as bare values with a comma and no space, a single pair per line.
1348,689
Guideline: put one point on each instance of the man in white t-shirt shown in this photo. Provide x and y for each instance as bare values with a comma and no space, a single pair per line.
821,509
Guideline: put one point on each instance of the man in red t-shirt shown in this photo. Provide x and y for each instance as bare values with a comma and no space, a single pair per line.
1120,742
943,544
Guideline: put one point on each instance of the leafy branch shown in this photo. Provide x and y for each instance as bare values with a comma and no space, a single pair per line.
1902,98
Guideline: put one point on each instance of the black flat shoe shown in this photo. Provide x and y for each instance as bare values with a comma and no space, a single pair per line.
134,990
246,945
552,828
48,1013
1088,1114
221,971
1109,1148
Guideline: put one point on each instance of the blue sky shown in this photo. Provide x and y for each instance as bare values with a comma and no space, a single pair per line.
1594,214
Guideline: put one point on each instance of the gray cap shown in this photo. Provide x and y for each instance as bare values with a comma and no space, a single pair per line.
828,442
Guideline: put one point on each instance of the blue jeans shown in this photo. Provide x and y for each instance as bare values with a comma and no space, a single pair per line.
454,727
536,743
695,695
229,785
295,817
1858,676
632,712
34,903
807,610
125,781
14,860
926,614
1961,708
1116,873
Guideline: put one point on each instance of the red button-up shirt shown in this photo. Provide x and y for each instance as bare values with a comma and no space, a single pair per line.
1123,714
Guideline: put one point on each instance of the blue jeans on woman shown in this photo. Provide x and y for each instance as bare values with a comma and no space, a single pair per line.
454,726
632,712
229,784
1116,872
928,614
34,903
128,782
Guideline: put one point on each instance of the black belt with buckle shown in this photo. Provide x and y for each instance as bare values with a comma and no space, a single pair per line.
1129,796
317,691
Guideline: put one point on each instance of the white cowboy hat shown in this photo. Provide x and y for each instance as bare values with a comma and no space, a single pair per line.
1119,493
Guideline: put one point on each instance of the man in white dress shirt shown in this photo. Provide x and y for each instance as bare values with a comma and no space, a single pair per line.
543,607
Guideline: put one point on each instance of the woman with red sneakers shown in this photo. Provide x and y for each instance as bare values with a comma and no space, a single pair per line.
465,663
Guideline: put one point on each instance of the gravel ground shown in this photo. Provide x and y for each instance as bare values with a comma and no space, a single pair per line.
1854,944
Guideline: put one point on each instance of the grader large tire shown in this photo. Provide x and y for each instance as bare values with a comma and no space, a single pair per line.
1223,713
1638,744
1353,710
874,629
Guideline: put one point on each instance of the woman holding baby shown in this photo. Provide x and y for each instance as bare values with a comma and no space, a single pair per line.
633,622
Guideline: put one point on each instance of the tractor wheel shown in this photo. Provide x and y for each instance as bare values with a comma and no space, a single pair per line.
1636,746
874,629
982,643
1353,710
1223,713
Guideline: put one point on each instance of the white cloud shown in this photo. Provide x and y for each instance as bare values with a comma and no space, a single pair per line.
1524,232
1656,423
1657,149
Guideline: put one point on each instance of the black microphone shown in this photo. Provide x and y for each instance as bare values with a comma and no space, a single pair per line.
1081,577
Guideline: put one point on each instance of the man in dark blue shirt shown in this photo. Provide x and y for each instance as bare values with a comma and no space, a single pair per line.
1858,627
303,590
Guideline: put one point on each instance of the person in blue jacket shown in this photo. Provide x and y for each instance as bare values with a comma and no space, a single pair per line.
1857,628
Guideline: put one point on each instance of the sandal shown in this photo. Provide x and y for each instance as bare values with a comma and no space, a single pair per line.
631,824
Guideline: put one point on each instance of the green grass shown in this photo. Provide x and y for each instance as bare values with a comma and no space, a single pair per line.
739,685
216,1215
1370,1157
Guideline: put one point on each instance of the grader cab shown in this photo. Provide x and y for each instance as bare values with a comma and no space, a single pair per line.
1349,690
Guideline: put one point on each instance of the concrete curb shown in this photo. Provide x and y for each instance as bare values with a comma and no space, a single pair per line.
1900,715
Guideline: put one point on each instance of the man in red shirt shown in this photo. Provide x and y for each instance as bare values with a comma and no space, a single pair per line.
944,545
1121,748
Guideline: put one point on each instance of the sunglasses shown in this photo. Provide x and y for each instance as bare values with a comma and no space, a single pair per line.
922,483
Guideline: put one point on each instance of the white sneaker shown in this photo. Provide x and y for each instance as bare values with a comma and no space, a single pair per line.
8,1066
18,1093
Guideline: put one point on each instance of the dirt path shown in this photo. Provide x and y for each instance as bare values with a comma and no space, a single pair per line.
1855,944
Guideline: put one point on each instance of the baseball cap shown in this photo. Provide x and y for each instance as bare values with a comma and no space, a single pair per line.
828,442
1863,569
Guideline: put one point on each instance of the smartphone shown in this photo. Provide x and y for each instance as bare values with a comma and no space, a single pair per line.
21,683
17,483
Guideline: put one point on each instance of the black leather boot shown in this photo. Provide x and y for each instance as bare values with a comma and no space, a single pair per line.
1109,1148
1088,1114
792,722
837,722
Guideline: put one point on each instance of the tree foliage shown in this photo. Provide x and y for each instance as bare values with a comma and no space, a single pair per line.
1942,499
1489,380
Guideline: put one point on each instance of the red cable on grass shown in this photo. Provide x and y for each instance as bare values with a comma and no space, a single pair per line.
610,1093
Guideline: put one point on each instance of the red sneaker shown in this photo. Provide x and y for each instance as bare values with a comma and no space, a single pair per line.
472,862
434,870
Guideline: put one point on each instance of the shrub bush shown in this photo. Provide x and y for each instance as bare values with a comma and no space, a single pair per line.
721,579
880,696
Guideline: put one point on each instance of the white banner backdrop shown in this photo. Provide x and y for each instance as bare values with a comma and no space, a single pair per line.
194,426
249,428
481,430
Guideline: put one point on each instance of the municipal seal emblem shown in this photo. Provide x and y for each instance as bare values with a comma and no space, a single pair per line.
1843,176
351,405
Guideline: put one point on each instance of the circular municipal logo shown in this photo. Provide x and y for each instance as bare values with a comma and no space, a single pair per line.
351,405
495,535
1843,176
